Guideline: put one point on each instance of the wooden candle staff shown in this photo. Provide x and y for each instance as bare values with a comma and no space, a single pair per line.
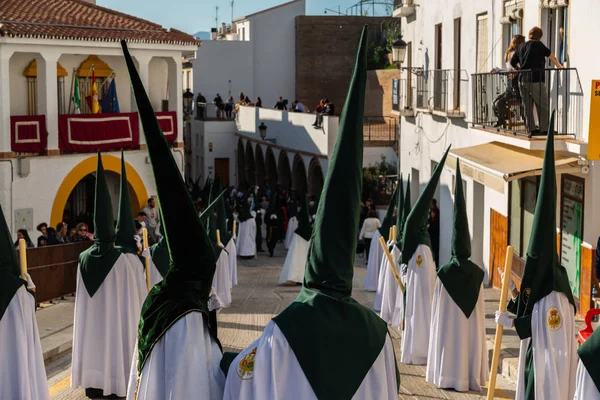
234,227
219,237
391,262
499,327
147,261
23,258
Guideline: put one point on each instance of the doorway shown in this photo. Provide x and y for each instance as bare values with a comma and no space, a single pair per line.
222,170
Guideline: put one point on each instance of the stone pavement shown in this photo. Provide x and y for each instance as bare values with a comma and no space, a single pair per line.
255,301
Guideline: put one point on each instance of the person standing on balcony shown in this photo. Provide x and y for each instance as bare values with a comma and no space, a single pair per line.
201,106
531,57
220,105
258,102
229,107
280,105
501,103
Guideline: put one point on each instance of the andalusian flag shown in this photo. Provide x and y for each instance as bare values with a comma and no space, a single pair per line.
93,97
75,98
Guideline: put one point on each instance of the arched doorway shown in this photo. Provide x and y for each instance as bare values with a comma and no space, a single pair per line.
299,176
250,166
79,181
315,177
241,165
260,168
271,169
284,171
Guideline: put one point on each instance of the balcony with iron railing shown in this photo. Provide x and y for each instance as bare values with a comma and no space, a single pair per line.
404,8
403,95
520,102
442,92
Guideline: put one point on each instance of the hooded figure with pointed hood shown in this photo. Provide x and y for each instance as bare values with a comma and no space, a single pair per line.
246,245
292,223
376,254
111,287
22,364
178,353
325,345
546,309
390,291
159,257
295,260
420,278
274,219
458,354
223,213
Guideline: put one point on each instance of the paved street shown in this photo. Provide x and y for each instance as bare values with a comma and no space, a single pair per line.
256,300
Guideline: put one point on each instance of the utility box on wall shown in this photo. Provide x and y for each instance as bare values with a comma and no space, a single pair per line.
24,219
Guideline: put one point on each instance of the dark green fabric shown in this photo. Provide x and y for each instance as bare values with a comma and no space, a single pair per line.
388,220
400,208
186,287
543,272
406,207
125,241
226,361
335,339
415,227
461,277
209,220
294,208
529,391
196,190
589,354
160,253
222,215
243,210
97,261
304,229
10,267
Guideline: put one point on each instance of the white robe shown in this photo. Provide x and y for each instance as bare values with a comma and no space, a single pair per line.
222,279
246,246
392,301
289,235
23,374
105,328
373,264
277,375
458,354
295,261
420,285
232,250
554,350
586,388
184,364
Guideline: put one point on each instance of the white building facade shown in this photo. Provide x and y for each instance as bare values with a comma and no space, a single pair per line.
47,150
447,98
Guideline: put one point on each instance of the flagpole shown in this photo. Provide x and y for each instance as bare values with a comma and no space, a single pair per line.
72,85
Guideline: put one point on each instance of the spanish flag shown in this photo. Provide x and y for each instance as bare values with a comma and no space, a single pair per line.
93,96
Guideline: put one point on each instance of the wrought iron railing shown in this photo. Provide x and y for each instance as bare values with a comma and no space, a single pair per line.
379,129
520,102
443,91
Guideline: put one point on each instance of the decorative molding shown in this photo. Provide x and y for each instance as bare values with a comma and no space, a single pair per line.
31,70
101,69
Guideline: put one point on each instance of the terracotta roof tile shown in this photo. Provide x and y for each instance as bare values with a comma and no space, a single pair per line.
79,20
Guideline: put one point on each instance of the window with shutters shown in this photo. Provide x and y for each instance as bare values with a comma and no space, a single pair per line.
482,44
555,24
30,74
512,22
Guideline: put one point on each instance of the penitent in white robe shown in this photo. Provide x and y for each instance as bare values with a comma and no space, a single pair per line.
289,235
277,375
295,261
554,345
184,364
420,285
23,374
392,302
232,251
246,246
586,388
373,265
105,328
458,354
222,279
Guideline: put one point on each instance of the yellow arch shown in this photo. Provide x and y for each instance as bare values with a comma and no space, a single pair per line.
88,166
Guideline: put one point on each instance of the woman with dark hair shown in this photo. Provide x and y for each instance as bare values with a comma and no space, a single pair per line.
369,228
23,234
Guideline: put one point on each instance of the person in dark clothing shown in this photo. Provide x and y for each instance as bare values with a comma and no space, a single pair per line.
220,105
200,107
281,104
258,102
43,239
597,261
364,211
259,238
531,57
434,231
273,228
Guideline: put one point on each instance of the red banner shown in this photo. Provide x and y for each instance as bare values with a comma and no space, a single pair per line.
92,132
28,134
168,124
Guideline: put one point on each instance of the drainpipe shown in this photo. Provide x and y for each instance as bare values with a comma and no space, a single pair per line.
9,215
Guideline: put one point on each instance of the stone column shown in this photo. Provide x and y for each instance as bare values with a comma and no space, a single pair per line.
143,67
48,96
176,95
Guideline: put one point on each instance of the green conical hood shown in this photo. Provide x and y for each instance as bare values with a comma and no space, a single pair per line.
186,288
196,190
10,267
96,262
388,220
243,210
400,208
125,241
543,272
325,327
415,227
406,207
209,219
206,190
294,210
589,354
160,253
461,277
222,215
304,229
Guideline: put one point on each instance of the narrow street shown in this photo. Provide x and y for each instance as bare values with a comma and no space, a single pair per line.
256,300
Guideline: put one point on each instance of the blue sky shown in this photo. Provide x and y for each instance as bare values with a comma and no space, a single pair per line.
192,16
